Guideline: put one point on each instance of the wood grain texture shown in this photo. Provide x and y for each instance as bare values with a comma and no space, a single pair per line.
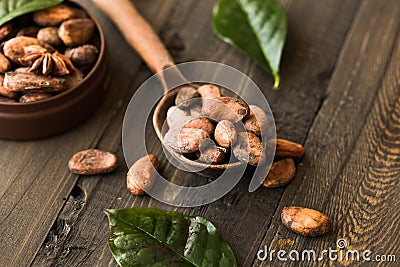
239,214
351,167
337,128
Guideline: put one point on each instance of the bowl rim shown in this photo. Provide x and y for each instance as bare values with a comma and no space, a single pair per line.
72,90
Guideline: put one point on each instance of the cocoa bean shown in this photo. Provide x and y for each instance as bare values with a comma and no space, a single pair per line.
176,117
49,35
85,55
75,32
184,97
30,82
34,97
5,30
225,108
30,31
257,122
195,111
5,91
288,149
281,173
200,123
92,162
5,64
142,174
4,99
54,16
185,140
225,134
248,148
209,153
209,91
14,48
306,222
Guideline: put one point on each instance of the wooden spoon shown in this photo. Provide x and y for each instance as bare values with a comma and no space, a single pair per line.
141,36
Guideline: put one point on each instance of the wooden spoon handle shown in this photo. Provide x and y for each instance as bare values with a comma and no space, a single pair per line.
138,32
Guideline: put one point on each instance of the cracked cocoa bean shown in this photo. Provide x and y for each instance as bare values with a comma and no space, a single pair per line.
29,82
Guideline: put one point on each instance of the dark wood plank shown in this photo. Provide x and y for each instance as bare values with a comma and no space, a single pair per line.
38,183
336,136
240,214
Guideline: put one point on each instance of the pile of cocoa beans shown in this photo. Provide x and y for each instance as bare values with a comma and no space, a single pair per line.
45,53
207,126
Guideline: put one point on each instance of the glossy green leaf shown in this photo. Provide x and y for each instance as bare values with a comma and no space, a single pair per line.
10,9
257,27
150,237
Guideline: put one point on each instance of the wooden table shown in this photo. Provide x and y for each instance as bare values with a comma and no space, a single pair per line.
340,97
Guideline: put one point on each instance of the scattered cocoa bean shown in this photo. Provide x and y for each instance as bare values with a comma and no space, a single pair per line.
209,91
34,97
225,134
176,117
75,32
257,122
30,31
14,48
184,97
92,162
209,153
288,149
200,123
54,16
49,35
281,173
5,30
225,108
185,140
4,99
5,91
306,222
84,55
30,82
5,64
248,148
142,174
195,111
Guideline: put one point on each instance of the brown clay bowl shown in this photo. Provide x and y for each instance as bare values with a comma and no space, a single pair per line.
26,121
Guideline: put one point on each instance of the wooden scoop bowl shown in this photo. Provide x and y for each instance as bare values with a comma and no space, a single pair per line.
141,36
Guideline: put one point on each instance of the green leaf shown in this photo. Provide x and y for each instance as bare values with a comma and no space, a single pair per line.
150,237
10,9
257,27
